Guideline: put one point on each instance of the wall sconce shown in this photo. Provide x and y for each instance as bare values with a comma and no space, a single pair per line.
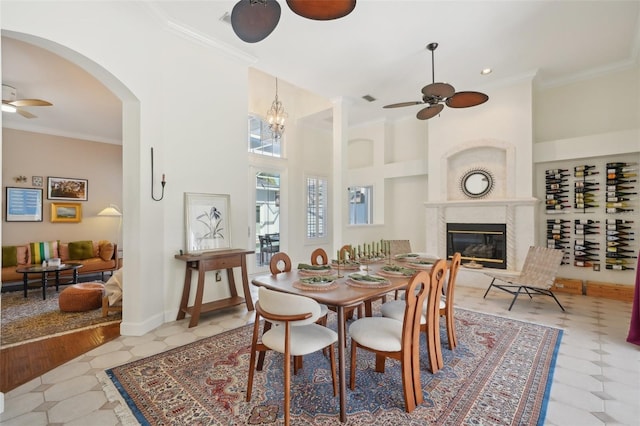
21,179
163,182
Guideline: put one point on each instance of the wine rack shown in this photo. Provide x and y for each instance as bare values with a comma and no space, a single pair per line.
585,248
619,255
598,198
621,179
585,188
557,190
558,237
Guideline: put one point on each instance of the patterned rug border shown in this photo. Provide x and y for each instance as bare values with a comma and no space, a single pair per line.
129,414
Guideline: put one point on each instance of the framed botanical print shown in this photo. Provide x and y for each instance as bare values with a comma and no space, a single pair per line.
207,223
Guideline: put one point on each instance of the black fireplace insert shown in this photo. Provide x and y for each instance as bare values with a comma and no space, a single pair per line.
484,243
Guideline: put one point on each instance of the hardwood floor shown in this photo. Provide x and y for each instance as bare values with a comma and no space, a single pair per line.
22,363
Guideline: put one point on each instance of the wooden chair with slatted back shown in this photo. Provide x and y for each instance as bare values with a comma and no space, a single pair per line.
322,255
296,335
446,302
389,338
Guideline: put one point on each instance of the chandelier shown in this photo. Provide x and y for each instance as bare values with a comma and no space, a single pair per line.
276,116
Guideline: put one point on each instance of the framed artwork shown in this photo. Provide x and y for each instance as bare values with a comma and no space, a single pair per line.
67,189
23,205
36,181
66,212
207,223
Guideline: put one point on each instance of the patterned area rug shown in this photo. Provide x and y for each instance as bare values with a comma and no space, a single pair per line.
31,318
500,373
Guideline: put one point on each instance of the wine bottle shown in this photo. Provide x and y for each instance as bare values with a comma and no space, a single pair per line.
583,253
619,256
557,207
583,168
621,175
585,195
557,237
586,221
556,186
616,221
585,191
560,226
618,188
618,267
553,196
616,227
554,202
622,170
617,261
617,244
585,183
557,176
618,210
616,181
582,264
591,226
554,171
585,173
620,164
585,205
618,199
621,233
619,238
584,248
583,242
621,204
618,250
558,221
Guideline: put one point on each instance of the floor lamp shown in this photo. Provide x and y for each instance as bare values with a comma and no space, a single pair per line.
113,211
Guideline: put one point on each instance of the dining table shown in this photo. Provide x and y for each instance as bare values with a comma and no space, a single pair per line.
342,295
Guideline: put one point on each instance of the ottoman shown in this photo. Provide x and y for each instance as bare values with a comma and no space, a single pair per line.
81,297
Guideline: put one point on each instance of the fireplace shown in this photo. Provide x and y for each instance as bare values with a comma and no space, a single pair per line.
485,243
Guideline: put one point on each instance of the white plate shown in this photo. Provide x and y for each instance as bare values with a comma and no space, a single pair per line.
323,283
417,265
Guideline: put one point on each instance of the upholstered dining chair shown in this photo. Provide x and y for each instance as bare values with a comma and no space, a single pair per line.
389,338
446,301
537,276
295,333
319,253
430,314
279,263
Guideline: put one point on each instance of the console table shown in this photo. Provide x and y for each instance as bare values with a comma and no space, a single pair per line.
213,261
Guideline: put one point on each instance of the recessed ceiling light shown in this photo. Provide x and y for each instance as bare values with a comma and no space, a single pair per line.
368,98
486,71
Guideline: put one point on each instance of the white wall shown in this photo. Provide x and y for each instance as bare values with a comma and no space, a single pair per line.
199,142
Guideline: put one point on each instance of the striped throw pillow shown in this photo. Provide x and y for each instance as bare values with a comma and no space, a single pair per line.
41,251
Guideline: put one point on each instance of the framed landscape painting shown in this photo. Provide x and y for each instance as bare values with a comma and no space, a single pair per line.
67,189
207,222
66,212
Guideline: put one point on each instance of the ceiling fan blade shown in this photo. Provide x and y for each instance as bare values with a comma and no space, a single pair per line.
439,90
429,112
403,104
466,99
29,102
254,22
25,114
322,10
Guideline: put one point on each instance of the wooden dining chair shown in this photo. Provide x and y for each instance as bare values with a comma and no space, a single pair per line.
319,253
345,251
430,314
446,301
295,334
389,338
281,262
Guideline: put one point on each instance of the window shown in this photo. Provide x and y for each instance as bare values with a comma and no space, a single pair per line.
360,205
261,140
316,207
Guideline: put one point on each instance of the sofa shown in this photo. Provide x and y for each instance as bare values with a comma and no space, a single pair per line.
95,256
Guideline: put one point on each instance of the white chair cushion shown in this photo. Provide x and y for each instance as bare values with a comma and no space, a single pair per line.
305,339
395,310
382,334
280,303
443,302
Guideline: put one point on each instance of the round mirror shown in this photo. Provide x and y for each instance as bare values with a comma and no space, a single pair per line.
476,183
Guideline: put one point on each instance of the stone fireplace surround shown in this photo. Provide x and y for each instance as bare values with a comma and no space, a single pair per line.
510,202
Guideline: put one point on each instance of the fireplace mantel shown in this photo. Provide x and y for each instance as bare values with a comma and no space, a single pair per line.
484,203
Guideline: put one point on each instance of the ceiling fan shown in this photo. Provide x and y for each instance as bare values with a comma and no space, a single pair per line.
11,103
434,95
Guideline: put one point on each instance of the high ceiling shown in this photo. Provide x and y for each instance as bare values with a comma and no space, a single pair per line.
378,50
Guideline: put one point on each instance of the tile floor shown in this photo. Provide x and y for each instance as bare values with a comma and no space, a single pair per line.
596,381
